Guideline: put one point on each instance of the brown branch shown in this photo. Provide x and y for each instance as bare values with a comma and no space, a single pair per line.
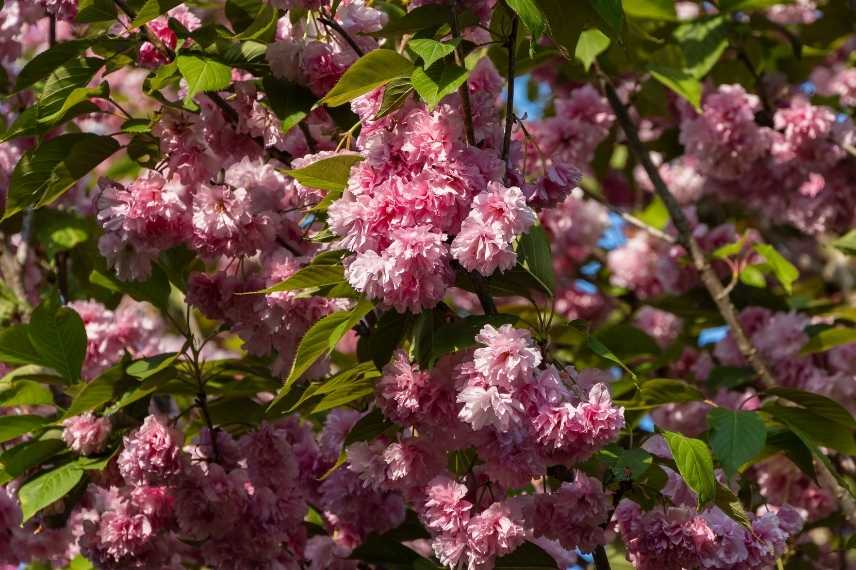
333,24
685,238
464,89
509,99
630,218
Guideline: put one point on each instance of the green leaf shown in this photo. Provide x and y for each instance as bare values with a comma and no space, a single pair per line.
744,5
44,173
526,556
62,82
26,393
344,394
846,243
154,290
147,367
753,277
702,42
430,50
565,31
137,126
728,502
591,44
21,458
103,389
376,68
695,464
680,82
44,63
827,408
309,277
263,26
394,95
291,103
75,97
783,269
241,13
203,74
16,348
631,464
666,391
15,426
828,339
383,338
368,427
91,11
60,230
531,16
650,9
535,255
48,488
418,19
736,437
59,337
655,214
423,338
152,9
461,333
813,426
611,12
328,173
438,81
320,340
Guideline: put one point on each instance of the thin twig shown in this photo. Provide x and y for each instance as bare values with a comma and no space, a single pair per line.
509,99
630,218
310,142
685,238
333,24
464,89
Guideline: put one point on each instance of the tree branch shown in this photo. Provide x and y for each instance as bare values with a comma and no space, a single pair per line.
630,218
464,89
333,24
685,238
509,99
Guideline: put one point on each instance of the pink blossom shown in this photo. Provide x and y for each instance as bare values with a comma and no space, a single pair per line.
152,454
508,356
401,388
662,326
86,434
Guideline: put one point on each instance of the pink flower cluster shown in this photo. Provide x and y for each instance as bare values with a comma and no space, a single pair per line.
151,55
301,54
419,187
240,506
779,337
132,327
86,434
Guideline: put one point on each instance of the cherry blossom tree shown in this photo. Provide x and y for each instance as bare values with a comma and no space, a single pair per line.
411,284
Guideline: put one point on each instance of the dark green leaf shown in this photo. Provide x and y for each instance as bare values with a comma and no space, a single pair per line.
26,393
418,19
376,68
736,437
813,426
16,348
136,126
44,63
309,277
48,488
666,390
152,9
680,82
631,464
103,389
728,502
651,9
328,173
63,81
146,367
611,12
531,16
90,11
368,427
18,460
15,426
535,255
47,171
695,465
702,42
59,337
383,338
394,95
527,556
829,338
320,340
846,243
828,409
154,290
461,333
291,103
437,82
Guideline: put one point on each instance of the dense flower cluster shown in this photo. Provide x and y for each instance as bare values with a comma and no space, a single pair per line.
313,331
